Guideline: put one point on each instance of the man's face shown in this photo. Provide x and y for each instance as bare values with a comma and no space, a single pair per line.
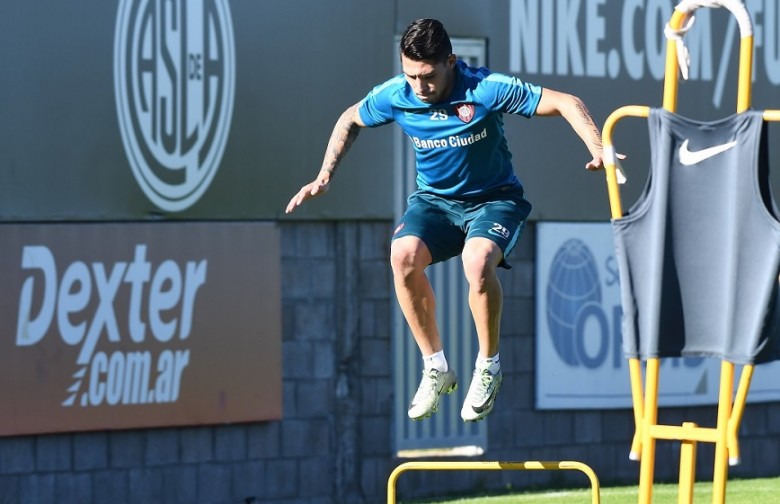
430,82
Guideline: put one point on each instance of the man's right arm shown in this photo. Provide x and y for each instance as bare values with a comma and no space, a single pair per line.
572,109
341,139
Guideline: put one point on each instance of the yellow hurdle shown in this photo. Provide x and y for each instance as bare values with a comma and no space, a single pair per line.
565,465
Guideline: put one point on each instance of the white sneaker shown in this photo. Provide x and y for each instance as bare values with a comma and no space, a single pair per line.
481,396
434,383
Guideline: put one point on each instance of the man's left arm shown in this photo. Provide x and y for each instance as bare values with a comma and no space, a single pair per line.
571,108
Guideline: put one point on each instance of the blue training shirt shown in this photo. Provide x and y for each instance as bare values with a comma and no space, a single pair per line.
460,145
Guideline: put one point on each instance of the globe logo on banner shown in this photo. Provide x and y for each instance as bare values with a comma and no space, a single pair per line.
174,80
573,291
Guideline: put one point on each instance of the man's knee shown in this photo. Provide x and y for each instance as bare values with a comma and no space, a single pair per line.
408,254
480,259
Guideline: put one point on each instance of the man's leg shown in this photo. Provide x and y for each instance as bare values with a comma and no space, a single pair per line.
480,260
481,257
409,257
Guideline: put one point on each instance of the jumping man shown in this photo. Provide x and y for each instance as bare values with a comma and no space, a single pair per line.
469,201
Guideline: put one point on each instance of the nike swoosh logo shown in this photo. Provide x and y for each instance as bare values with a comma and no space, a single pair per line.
488,404
689,158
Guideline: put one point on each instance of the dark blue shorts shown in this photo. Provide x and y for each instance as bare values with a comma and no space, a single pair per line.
444,224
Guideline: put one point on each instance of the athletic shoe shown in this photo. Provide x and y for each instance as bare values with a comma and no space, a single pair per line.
481,396
434,383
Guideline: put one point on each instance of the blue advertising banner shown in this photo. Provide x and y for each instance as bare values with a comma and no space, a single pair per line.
578,317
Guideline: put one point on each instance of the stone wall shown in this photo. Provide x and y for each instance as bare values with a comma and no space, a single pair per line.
334,445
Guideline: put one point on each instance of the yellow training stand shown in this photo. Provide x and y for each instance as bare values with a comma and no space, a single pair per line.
645,403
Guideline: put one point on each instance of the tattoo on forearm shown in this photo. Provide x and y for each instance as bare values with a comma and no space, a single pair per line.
344,134
588,120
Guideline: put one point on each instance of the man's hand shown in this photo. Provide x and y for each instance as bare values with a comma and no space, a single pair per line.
316,188
344,134
597,163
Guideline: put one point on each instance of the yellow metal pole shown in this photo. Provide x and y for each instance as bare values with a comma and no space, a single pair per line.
647,467
745,73
687,453
672,68
736,413
772,115
729,418
637,397
610,161
687,467
720,470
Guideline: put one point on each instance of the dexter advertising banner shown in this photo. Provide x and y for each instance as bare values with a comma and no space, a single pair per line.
579,357
109,326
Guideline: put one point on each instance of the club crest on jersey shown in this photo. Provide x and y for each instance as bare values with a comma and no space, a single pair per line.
465,112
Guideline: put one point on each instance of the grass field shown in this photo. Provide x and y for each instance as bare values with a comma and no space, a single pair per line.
752,491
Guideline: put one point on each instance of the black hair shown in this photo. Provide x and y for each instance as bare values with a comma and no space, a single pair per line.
426,40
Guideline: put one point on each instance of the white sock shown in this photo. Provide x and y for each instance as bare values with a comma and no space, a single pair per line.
436,361
492,364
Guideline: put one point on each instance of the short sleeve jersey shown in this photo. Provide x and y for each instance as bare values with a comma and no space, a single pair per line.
460,145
